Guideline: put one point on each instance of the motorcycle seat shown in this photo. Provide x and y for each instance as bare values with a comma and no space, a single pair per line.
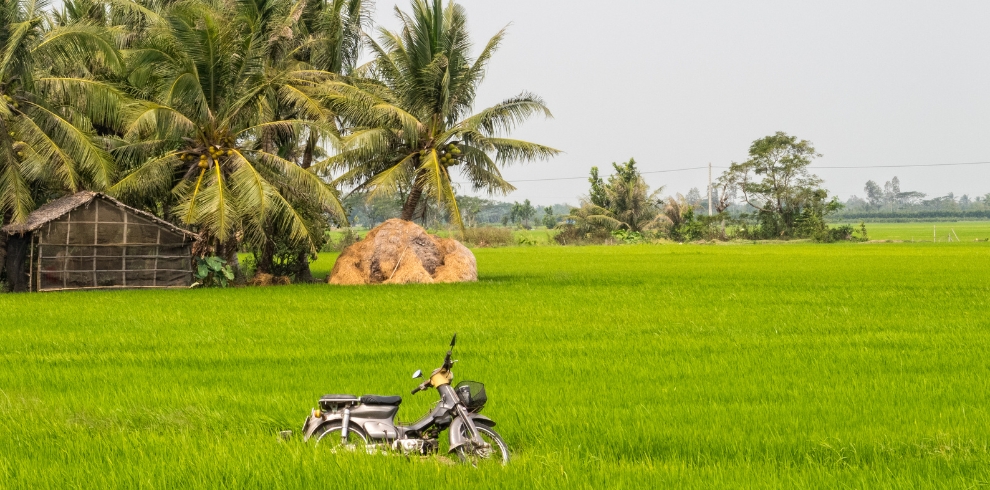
339,398
381,400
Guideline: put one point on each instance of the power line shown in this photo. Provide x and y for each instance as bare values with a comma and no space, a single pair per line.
585,176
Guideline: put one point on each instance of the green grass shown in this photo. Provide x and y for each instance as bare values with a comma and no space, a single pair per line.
922,232
680,366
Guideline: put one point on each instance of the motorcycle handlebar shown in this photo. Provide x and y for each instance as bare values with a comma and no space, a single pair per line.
421,387
447,364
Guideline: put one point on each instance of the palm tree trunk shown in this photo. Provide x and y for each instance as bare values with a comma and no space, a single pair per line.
412,202
266,262
307,160
3,252
303,274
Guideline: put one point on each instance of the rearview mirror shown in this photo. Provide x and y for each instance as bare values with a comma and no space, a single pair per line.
418,374
453,340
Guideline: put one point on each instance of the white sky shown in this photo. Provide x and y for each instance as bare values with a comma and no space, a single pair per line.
682,83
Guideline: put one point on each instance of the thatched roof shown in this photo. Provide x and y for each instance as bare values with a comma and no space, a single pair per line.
59,207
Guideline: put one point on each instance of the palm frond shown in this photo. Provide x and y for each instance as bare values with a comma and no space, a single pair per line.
101,102
66,45
154,177
15,193
390,180
302,180
84,152
502,118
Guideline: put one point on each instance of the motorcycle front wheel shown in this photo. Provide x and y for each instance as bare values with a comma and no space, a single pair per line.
498,450
329,435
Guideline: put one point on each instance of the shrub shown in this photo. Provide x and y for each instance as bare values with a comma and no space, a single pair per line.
628,237
572,234
837,234
346,240
863,235
489,236
213,271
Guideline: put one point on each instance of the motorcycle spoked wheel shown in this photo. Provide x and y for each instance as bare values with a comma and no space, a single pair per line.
499,450
328,435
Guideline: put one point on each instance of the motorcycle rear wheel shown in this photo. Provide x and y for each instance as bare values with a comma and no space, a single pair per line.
328,435
499,450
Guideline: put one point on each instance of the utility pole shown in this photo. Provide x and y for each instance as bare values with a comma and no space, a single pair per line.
709,188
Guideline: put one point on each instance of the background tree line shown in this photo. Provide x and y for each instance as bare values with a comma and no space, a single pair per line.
773,192
891,202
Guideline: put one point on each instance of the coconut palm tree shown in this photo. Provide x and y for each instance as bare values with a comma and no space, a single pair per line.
332,36
49,102
329,37
625,201
412,121
224,90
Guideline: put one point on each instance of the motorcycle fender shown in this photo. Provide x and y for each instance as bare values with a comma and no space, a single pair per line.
456,439
313,423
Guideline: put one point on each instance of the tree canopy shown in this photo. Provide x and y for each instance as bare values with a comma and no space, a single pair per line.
775,181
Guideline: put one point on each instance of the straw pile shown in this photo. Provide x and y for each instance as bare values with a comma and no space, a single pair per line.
263,279
401,252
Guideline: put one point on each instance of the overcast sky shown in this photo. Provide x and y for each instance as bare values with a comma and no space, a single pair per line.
680,84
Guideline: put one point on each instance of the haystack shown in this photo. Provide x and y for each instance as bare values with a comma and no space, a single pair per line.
402,252
263,279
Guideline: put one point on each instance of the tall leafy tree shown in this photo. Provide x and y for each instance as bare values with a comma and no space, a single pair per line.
874,194
776,181
223,88
412,124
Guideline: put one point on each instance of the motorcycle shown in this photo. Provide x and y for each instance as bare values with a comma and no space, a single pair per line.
347,422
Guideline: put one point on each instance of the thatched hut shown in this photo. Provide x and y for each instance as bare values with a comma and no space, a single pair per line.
91,241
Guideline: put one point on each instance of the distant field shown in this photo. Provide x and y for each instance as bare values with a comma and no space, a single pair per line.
966,230
787,366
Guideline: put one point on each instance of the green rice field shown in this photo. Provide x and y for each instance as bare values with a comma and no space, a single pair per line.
966,231
673,366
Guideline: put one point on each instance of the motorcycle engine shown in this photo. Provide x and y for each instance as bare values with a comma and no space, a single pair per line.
416,446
